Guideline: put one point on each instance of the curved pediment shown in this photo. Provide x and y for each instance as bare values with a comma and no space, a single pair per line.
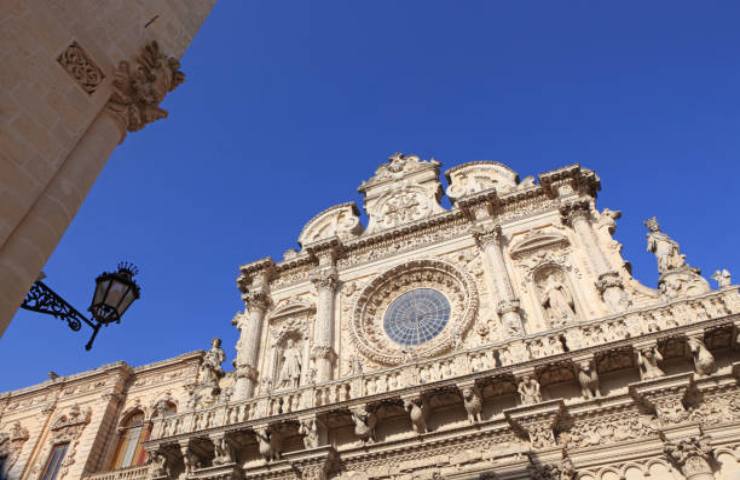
538,241
341,221
291,307
474,177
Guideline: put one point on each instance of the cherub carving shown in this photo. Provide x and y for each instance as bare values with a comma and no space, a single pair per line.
473,403
588,378
647,361
365,422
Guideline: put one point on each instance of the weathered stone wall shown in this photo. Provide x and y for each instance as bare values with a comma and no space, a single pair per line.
58,62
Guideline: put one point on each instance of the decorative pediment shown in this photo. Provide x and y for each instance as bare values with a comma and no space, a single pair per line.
537,241
291,307
474,177
70,424
402,191
341,221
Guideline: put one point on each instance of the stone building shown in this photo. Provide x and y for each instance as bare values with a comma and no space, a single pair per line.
501,338
76,77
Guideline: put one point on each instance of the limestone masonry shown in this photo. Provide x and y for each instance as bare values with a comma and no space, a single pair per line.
502,338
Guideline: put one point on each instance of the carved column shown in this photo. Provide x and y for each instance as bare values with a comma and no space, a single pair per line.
138,89
578,216
691,455
248,345
489,240
325,281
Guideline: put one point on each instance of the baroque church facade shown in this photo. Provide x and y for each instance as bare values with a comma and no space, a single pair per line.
501,338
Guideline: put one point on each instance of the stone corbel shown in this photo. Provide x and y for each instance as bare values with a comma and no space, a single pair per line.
224,449
317,464
472,400
528,386
666,396
313,430
189,457
256,276
538,422
587,376
418,409
648,357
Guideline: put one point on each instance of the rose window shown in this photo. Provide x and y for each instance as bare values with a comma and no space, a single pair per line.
417,316
418,309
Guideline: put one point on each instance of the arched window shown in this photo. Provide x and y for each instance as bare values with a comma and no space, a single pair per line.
133,434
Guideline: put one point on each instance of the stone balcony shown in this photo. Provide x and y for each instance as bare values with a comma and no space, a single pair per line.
131,473
553,358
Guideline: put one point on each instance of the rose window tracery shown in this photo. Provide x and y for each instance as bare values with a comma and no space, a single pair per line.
417,316
416,310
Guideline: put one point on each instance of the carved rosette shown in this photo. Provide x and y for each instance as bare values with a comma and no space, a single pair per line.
367,329
139,88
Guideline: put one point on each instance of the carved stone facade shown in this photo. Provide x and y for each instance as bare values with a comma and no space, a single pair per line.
502,338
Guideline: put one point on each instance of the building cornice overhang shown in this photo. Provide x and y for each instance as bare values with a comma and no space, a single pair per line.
581,179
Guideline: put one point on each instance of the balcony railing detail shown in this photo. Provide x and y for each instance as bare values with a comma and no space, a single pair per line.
669,319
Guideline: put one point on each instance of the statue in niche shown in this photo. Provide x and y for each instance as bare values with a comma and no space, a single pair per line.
529,390
211,370
557,300
290,370
664,247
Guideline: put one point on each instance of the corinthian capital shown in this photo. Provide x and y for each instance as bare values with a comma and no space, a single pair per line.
257,300
139,87
325,278
489,234
578,209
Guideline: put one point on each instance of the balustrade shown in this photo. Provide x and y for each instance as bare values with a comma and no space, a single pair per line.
573,339
132,473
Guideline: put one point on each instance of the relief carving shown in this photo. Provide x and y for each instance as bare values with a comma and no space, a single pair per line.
81,67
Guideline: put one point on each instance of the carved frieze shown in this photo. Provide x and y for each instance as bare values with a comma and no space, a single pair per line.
81,67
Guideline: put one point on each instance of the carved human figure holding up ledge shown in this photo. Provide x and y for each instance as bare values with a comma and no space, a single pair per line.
557,301
666,250
290,371
529,390
647,361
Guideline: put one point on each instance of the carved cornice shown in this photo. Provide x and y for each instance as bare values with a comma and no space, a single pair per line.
578,209
570,179
257,272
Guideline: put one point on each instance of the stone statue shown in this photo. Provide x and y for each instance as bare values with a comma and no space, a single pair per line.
158,463
703,359
309,428
290,371
473,403
365,422
269,443
415,407
647,361
529,390
557,302
664,247
210,370
723,278
588,378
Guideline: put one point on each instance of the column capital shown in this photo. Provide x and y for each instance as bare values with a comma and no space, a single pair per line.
257,300
325,278
326,251
140,86
575,210
487,234
256,274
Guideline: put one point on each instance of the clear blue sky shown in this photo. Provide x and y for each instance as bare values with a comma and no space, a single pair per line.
288,106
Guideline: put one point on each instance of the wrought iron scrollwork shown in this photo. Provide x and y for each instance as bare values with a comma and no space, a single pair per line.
43,299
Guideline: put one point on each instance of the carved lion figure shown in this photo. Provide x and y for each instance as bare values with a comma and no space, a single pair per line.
473,403
588,378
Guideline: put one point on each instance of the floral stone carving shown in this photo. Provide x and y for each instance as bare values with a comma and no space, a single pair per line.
138,89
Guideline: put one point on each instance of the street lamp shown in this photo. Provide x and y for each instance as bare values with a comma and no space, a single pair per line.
114,294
